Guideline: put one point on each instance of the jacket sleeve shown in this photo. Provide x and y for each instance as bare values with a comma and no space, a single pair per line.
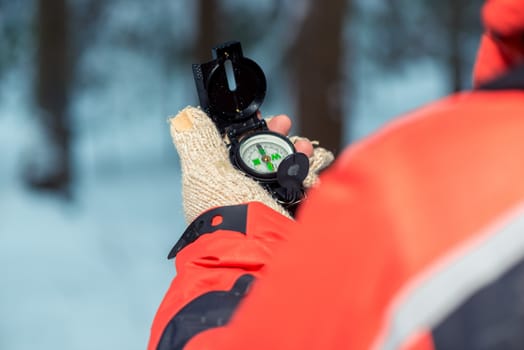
217,258
398,237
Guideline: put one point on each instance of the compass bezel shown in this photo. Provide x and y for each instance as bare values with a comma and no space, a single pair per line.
244,166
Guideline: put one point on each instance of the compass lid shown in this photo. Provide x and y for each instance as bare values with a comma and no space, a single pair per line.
231,87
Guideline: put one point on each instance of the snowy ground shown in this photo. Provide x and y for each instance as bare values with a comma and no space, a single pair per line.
90,273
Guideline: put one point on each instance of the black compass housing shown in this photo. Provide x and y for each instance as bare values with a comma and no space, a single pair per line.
234,110
231,108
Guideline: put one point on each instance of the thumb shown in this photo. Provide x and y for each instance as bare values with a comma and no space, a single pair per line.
208,178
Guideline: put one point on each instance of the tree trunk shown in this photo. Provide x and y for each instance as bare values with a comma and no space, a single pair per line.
53,73
319,75
455,29
208,15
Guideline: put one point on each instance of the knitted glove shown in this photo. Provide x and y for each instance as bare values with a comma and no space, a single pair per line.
209,179
320,160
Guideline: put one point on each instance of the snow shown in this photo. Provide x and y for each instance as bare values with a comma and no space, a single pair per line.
87,273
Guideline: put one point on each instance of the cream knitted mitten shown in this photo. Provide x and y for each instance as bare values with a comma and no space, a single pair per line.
208,177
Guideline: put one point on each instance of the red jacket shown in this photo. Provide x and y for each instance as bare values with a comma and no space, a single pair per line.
414,240
392,222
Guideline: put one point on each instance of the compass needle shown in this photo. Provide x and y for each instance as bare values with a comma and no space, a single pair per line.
261,150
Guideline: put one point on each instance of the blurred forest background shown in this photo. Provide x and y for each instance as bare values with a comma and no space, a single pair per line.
90,198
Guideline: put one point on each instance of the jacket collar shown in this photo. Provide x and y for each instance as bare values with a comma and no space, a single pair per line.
513,79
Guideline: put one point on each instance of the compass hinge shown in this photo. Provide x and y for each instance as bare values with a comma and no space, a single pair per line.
252,124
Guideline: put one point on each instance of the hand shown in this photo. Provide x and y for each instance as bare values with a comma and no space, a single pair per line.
319,158
208,177
282,124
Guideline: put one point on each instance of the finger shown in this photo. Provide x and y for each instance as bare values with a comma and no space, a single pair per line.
304,146
182,122
321,159
196,137
280,124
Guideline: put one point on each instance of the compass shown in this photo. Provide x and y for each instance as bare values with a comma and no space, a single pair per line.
261,154
231,89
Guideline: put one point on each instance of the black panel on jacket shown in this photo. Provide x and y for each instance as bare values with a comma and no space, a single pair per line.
210,310
511,80
491,319
234,218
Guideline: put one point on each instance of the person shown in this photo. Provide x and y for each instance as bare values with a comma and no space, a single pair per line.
412,239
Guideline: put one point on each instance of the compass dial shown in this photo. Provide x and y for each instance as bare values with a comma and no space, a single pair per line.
261,154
